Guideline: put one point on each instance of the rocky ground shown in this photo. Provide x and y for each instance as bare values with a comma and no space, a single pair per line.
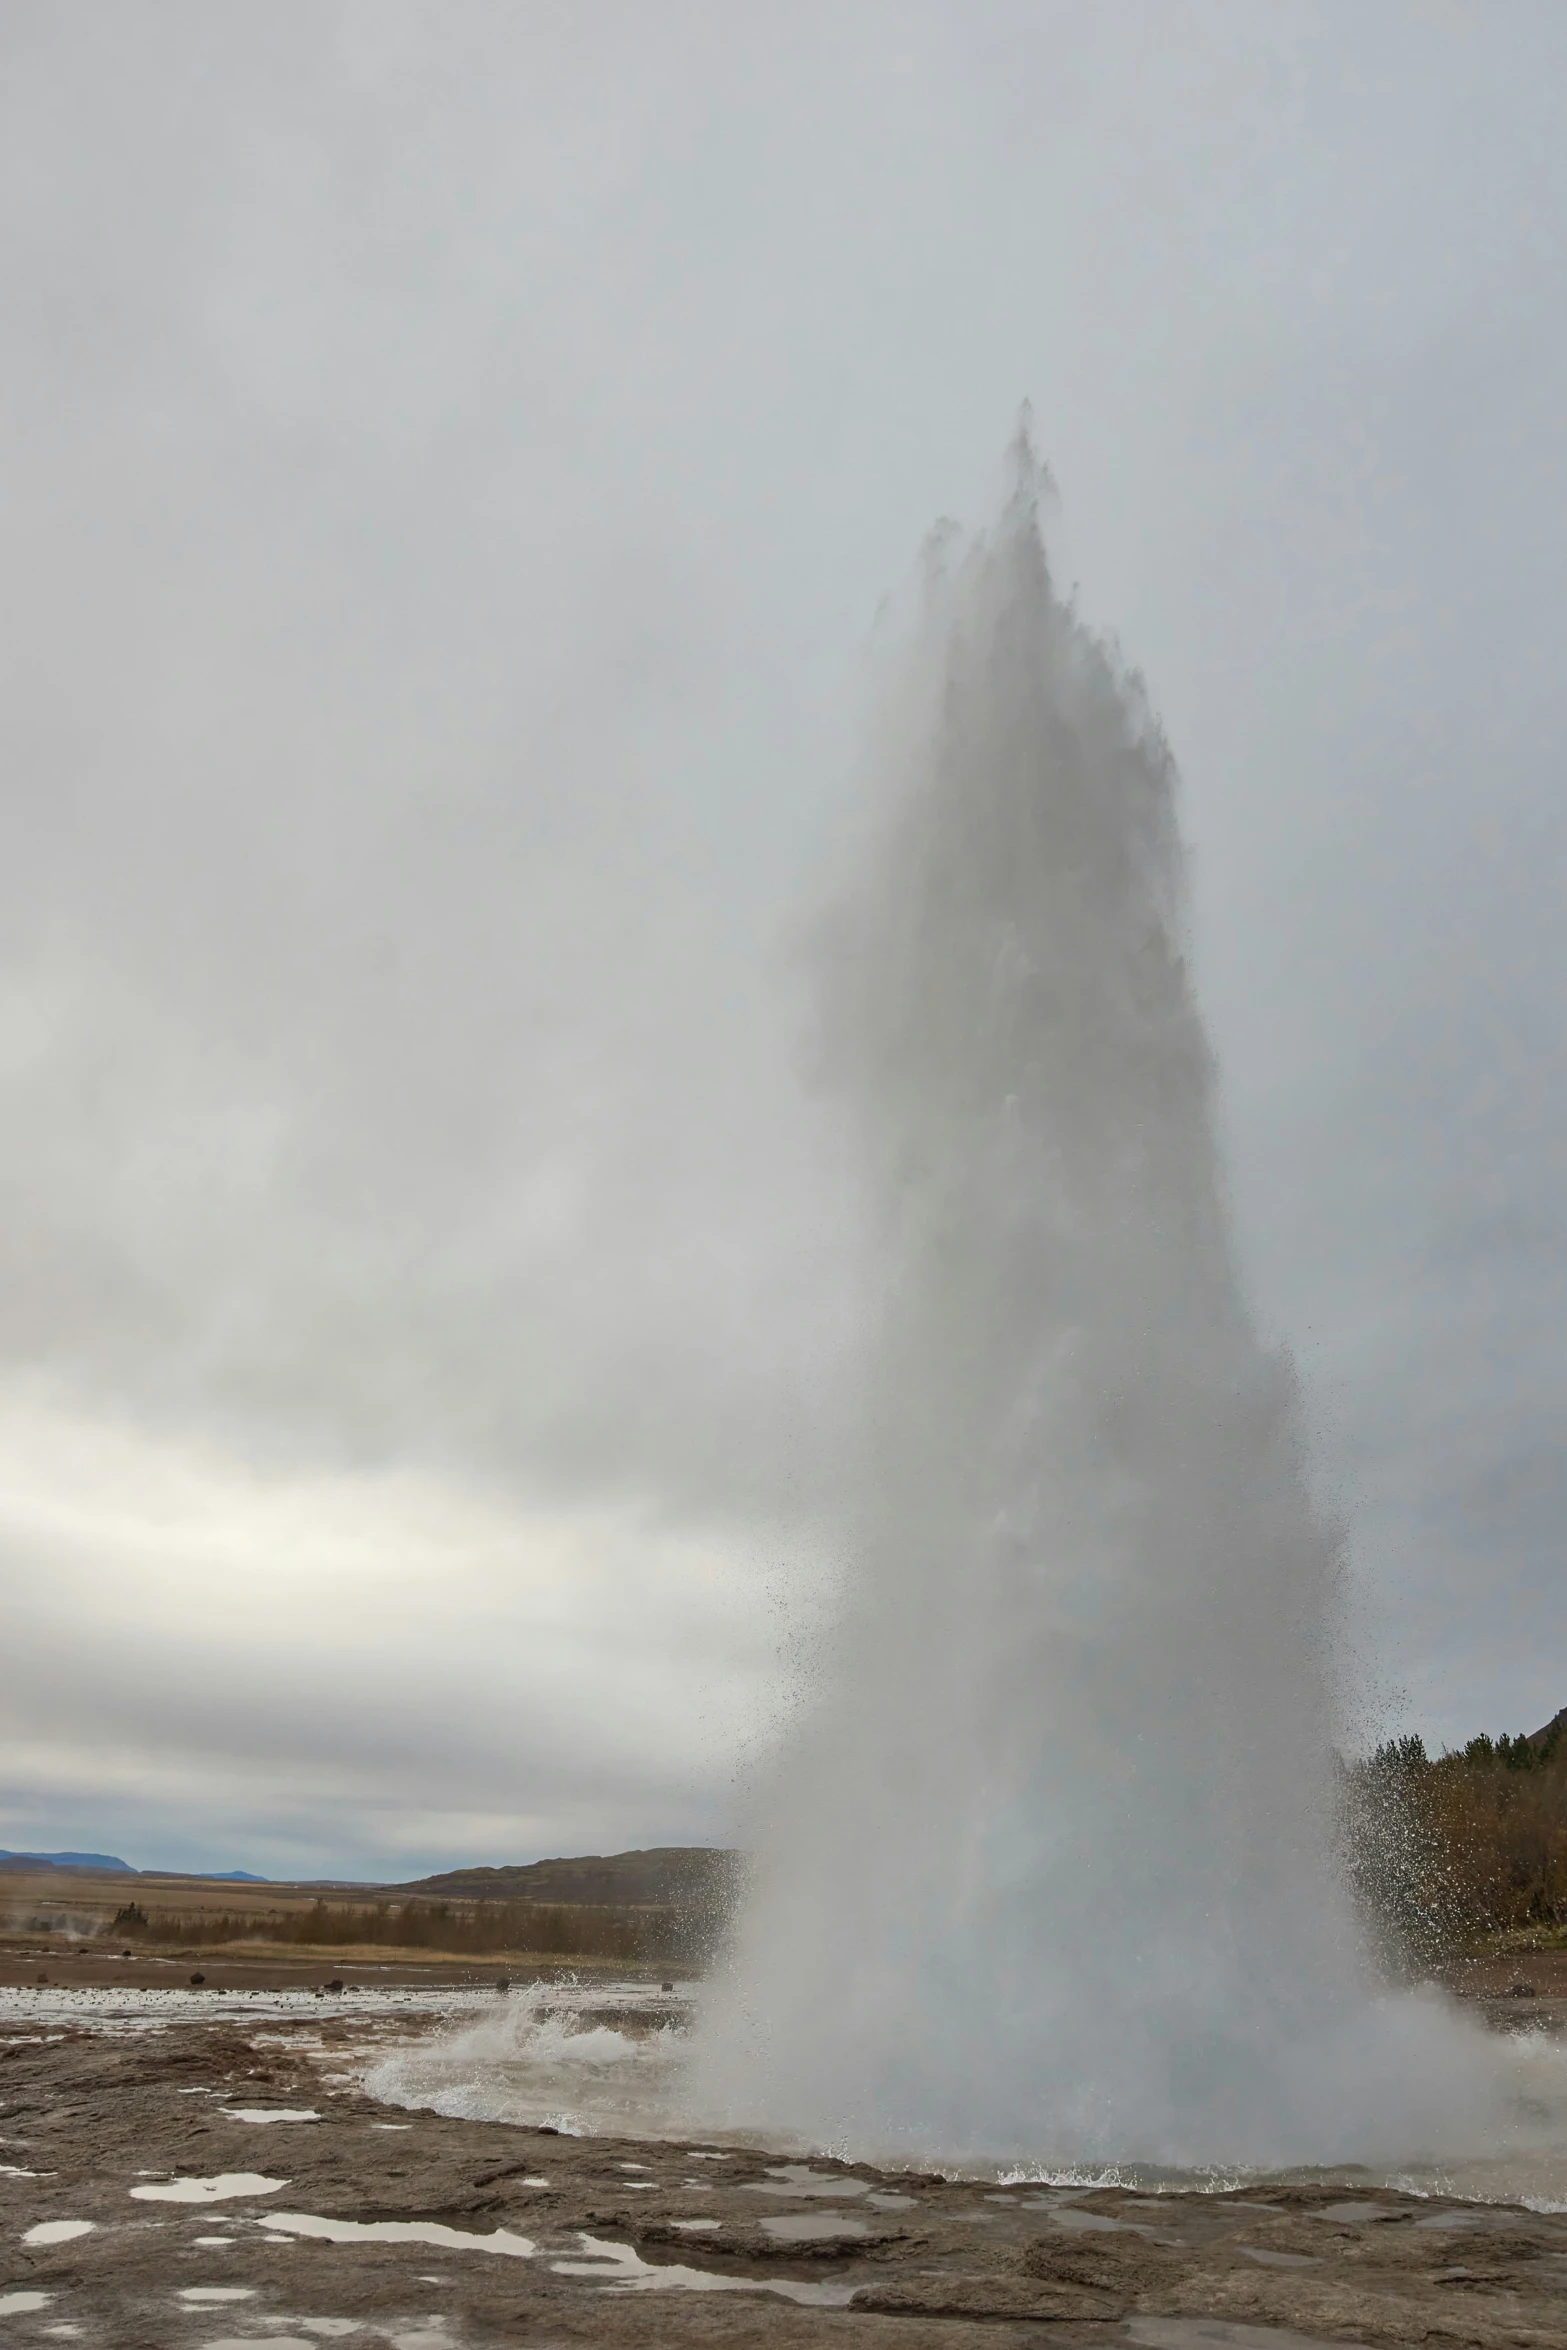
141,2210
1529,1973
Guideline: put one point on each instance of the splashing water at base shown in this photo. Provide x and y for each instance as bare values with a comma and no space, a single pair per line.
1049,1871
548,2061
545,2058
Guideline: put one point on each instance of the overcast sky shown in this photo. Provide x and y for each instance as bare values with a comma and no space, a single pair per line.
454,456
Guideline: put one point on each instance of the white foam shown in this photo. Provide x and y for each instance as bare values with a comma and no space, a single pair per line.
134,2009
541,2058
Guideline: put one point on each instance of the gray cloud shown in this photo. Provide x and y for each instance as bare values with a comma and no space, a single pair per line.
454,460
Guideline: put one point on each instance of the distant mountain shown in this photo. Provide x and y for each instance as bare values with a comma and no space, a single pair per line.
671,1876
67,1860
106,1861
1554,1727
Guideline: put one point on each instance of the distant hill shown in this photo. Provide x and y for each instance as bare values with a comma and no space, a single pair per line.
1553,1729
671,1876
692,1877
66,1860
102,1862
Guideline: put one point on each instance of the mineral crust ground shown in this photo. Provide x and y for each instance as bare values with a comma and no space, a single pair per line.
140,2209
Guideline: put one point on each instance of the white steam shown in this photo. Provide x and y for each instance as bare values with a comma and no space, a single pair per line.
1049,1869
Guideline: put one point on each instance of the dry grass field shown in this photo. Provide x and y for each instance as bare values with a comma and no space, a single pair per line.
75,1919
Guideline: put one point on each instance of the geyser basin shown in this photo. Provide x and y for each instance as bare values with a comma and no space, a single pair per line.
1049,1870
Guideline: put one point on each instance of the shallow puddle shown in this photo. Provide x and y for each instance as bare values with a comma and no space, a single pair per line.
1218,2333
315,2330
810,2227
1096,2223
798,2178
397,2231
214,2190
271,2113
1363,2214
59,2231
621,2270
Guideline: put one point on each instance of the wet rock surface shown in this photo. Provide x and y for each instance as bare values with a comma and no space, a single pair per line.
392,2230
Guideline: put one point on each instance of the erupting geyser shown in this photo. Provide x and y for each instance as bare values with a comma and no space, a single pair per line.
1048,1870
